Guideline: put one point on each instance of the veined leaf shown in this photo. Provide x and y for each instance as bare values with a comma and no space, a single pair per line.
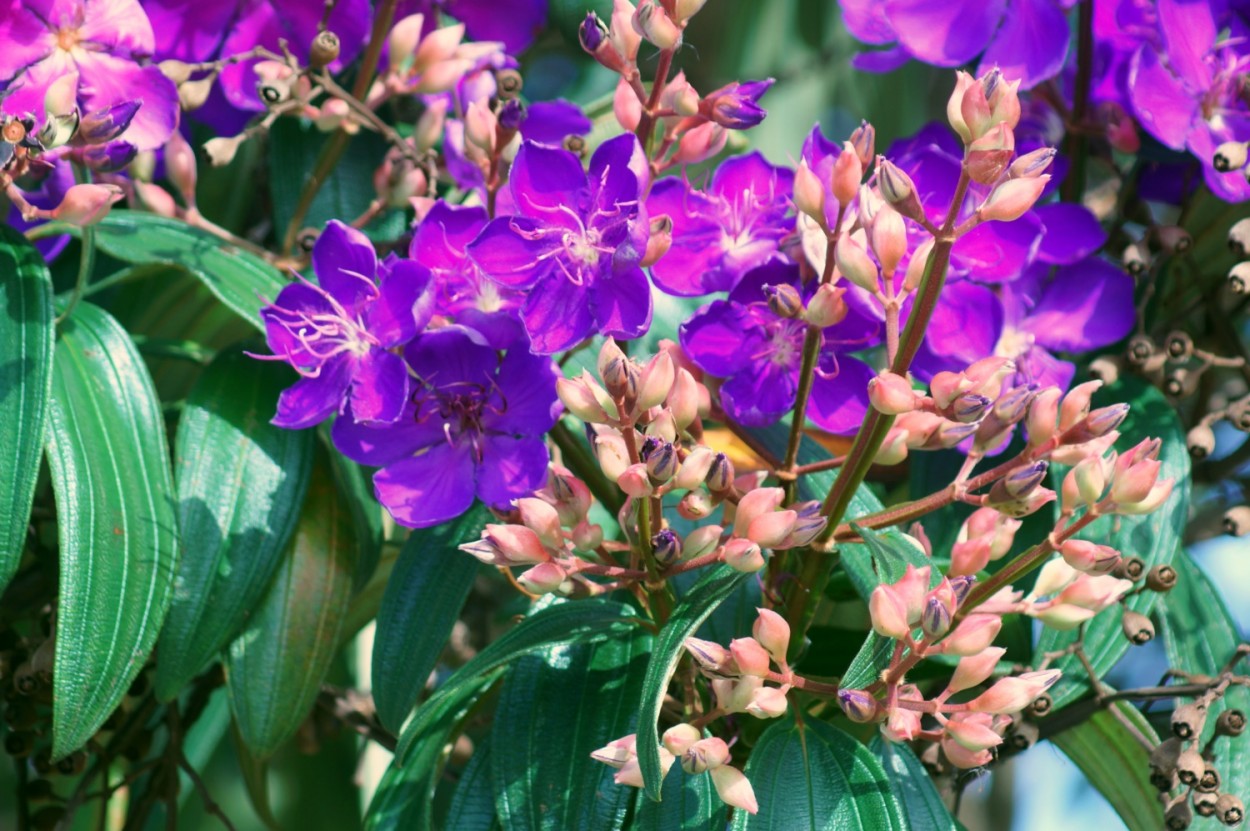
694,608
473,803
426,590
583,621
814,777
275,666
1152,537
241,484
118,530
26,337
1114,761
921,803
355,487
239,278
556,707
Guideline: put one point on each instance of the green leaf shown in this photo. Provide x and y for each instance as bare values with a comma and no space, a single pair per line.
426,590
356,487
1153,537
275,666
118,531
241,484
555,709
256,781
688,803
912,787
716,585
404,798
239,278
584,621
473,803
814,777
1115,763
1200,636
25,387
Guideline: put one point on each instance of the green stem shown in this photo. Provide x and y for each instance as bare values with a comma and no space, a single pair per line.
86,264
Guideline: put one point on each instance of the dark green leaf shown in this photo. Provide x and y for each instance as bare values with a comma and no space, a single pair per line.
404,798
1114,762
1153,537
555,709
275,666
241,484
716,585
688,803
427,587
584,621
814,777
921,803
256,781
239,278
873,656
356,487
1200,636
118,530
473,803
25,386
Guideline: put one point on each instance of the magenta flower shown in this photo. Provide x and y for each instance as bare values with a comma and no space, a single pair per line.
759,354
465,295
551,122
337,333
574,244
473,427
514,23
1027,39
104,42
725,231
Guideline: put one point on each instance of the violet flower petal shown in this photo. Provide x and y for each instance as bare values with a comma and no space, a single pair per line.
377,445
622,303
719,338
379,387
839,401
346,264
511,468
1031,45
310,400
1165,108
543,180
404,305
557,314
944,32
516,251
528,385
1072,233
1085,306
429,489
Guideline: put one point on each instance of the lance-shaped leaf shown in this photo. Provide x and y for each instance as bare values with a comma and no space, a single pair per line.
473,803
912,786
241,484
274,668
25,386
117,526
694,608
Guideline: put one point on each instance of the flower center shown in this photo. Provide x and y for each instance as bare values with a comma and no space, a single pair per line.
68,39
1013,343
785,343
583,247
460,405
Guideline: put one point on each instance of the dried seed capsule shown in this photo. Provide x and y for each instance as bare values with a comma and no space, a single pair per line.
1238,414
1209,781
1239,237
1204,803
1162,578
1105,368
1039,707
1229,809
1137,627
1201,441
1189,767
72,764
1023,736
324,50
1179,345
1187,721
1239,278
1230,723
1174,239
1140,349
1164,755
1179,815
508,83
1130,568
1136,259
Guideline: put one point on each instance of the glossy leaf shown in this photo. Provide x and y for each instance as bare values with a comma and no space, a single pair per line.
356,487
424,594
473,803
557,707
1200,636
814,777
1152,537
583,621
239,278
694,608
26,337
117,525
687,803
241,485
1115,763
275,666
921,803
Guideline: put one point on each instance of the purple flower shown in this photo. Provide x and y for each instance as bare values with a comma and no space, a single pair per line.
102,41
514,23
473,427
464,293
551,122
736,106
721,233
574,243
1027,39
337,334
759,354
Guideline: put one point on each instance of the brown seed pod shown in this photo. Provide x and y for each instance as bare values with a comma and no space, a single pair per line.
1179,345
1201,441
1136,259
13,131
324,50
1204,803
1239,278
1137,627
1179,815
1163,782
1239,237
575,144
1040,707
1229,809
1238,414
1187,721
1023,736
1164,755
508,83
1209,781
1189,767
1174,239
72,764
1140,349
1105,368
1230,723
1130,568
1161,578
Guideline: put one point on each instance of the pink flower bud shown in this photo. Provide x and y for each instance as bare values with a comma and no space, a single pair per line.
686,9
587,537
1043,416
1004,98
755,504
954,106
742,555
659,240
969,556
402,41
809,193
656,381
973,669
973,635
430,125
768,702
653,23
1094,592
1013,694
678,738
847,173
913,589
580,401
855,264
988,156
85,205
891,394
618,751
517,543
1090,478
859,706
704,755
916,266
827,306
695,505
635,482
773,633
542,519
1153,501
481,126
1053,577
683,400
1089,557
1064,617
972,735
752,659
963,758
1134,484
626,106
700,143
695,467
623,36
1076,404
701,540
709,655
734,789
889,240
612,455
901,725
680,96
770,529
437,47
898,189
156,199
894,449
864,140
546,578
1012,199
888,613
1032,165
974,108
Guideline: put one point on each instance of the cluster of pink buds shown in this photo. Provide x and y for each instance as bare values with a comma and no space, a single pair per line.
423,63
1070,589
738,673
698,755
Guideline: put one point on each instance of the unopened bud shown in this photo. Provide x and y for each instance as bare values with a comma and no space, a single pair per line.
888,237
784,300
859,706
855,264
1089,557
742,554
86,204
705,755
1019,483
750,656
1031,165
695,505
847,173
988,156
659,241
107,124
891,394
653,23
864,140
546,578
936,618
773,633
1012,199
709,655
720,476
661,463
898,190
916,266
827,306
